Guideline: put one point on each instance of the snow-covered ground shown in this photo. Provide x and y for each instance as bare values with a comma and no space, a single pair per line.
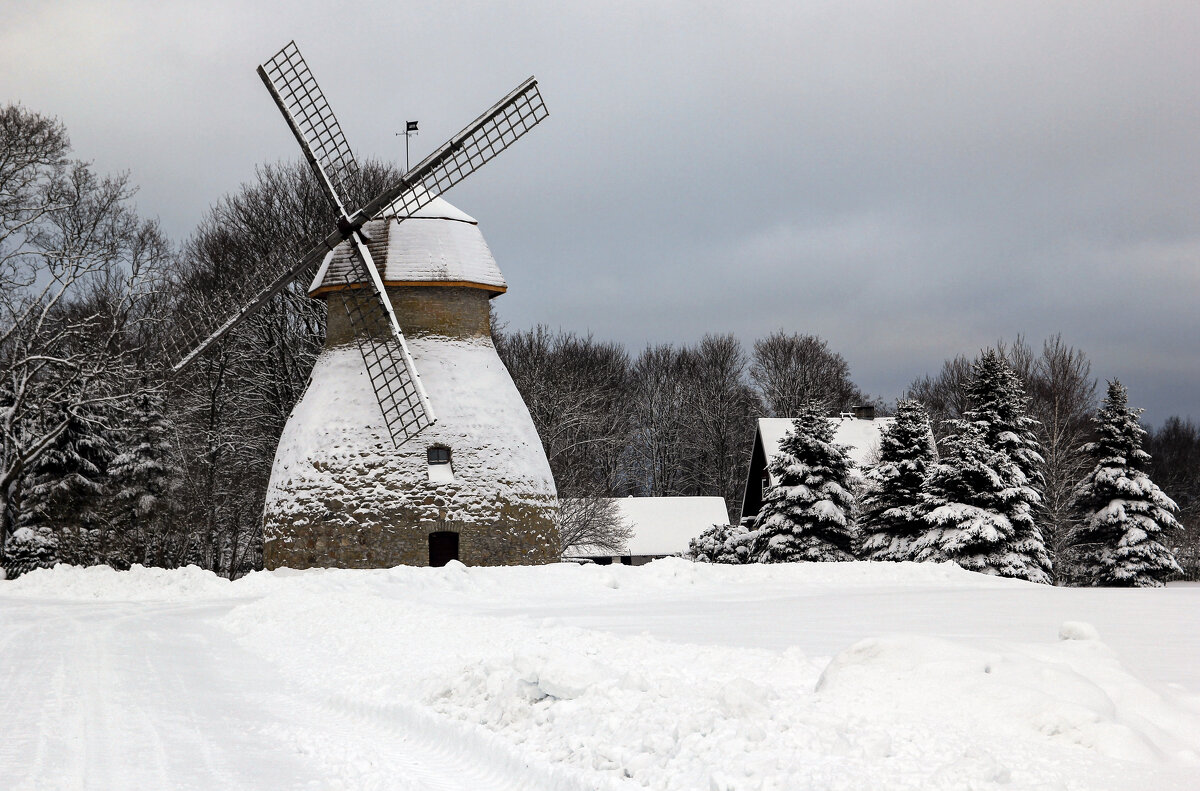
672,675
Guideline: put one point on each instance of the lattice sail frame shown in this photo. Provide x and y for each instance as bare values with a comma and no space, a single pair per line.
311,120
394,377
501,126
393,374
389,364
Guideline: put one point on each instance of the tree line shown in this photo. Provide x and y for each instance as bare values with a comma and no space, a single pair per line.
670,421
107,459
975,498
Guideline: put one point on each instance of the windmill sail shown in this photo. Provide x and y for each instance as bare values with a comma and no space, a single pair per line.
307,113
206,311
402,399
481,140
477,143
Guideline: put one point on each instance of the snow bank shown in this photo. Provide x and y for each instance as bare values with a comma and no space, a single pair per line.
493,585
908,711
427,649
1075,693
102,583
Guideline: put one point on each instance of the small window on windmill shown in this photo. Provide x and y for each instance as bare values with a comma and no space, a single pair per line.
440,468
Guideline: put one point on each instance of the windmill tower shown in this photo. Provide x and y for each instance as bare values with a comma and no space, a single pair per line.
380,464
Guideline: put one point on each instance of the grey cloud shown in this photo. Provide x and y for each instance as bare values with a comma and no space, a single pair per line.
909,180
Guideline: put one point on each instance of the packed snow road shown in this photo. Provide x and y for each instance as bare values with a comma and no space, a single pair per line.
672,676
142,695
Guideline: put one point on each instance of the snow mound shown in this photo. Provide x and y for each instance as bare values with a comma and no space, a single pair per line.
1077,630
102,583
1075,693
904,712
497,584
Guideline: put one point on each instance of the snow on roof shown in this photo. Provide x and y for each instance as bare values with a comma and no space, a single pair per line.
859,434
436,244
441,209
665,525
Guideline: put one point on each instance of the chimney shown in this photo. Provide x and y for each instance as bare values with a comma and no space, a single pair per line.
865,412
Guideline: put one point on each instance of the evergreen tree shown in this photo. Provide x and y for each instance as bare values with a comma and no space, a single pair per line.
974,513
1125,515
28,549
808,515
63,492
999,406
730,544
997,399
890,517
143,476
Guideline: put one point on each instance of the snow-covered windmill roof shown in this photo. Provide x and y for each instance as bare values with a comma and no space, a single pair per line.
859,434
664,525
439,243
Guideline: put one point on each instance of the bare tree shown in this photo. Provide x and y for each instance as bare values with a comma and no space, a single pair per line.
591,523
789,369
576,390
659,401
720,416
77,276
944,395
1175,464
1062,394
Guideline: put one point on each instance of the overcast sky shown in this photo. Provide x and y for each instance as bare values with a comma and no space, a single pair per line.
907,180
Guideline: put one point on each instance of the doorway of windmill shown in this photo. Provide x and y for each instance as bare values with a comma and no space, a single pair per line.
443,547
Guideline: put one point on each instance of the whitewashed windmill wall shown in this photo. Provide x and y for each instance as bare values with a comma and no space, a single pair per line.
342,494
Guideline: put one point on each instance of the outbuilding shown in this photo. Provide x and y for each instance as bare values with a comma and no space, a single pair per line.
858,430
662,527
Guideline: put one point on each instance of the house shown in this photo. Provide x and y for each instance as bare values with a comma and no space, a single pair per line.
662,526
858,430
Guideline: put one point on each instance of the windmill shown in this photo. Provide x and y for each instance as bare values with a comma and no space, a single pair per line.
392,528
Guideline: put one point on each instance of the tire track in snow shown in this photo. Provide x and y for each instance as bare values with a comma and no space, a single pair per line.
117,708
440,754
151,696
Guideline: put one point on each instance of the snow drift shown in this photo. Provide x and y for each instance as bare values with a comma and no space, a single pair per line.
496,659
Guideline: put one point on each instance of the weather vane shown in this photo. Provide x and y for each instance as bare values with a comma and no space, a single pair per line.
410,129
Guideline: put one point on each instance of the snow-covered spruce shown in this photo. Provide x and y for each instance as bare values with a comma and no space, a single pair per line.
808,515
997,399
972,509
724,544
28,549
999,405
1125,515
62,498
889,515
142,478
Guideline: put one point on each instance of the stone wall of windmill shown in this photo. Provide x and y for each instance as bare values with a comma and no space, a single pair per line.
342,494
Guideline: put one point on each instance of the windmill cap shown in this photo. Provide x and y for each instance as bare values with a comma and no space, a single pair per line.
439,244
439,209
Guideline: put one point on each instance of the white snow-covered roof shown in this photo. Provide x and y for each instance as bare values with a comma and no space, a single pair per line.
859,434
665,525
440,209
439,243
